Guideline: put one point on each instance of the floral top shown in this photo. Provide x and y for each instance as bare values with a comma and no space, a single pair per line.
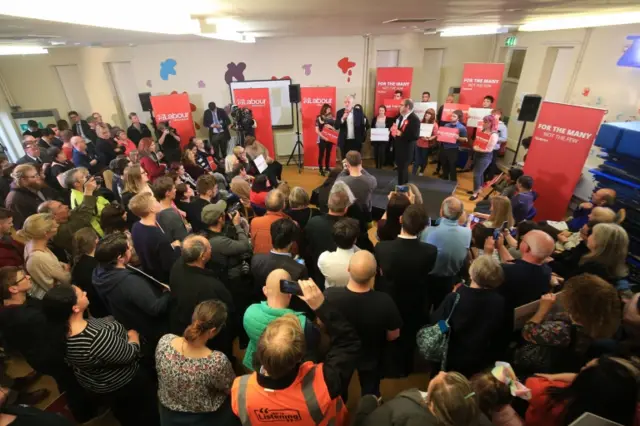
194,385
553,331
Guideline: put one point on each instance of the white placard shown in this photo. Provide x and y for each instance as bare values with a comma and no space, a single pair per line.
426,130
476,115
419,108
379,135
261,163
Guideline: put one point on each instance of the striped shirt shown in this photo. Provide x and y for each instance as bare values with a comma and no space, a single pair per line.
101,356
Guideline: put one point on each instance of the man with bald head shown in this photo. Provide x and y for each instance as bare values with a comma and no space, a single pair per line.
452,242
191,283
603,197
527,279
82,155
372,313
258,316
351,125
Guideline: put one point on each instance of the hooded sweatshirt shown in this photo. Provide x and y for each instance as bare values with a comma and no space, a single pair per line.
135,301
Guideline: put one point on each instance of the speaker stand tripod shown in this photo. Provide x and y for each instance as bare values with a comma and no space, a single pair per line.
515,157
298,144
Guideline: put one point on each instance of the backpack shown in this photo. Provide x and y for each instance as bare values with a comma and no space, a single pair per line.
433,340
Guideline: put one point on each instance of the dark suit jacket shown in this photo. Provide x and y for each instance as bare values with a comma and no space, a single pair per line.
359,127
105,148
136,135
404,266
405,144
85,128
223,118
26,159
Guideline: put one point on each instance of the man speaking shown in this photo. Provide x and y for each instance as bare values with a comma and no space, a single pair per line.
406,135
351,125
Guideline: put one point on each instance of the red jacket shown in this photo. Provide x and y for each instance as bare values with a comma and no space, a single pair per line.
153,169
11,252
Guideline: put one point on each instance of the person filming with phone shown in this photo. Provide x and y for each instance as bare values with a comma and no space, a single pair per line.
284,388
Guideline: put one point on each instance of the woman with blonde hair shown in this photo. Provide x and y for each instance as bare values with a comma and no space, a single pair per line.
608,249
254,149
150,158
449,401
187,363
500,213
43,266
569,240
136,181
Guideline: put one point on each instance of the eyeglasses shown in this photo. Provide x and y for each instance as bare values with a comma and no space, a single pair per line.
24,277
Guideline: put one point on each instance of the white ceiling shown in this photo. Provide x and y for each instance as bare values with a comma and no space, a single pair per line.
279,18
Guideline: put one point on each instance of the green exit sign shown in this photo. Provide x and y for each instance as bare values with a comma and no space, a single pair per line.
510,41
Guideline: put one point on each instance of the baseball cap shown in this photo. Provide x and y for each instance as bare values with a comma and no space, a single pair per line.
212,212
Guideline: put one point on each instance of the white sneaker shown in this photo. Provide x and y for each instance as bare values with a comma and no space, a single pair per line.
420,174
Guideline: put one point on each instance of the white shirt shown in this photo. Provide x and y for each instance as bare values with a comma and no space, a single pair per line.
351,133
334,266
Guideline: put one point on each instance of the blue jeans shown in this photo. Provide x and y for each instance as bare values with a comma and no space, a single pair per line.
420,157
481,160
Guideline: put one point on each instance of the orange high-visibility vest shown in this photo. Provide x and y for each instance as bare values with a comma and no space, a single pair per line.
305,403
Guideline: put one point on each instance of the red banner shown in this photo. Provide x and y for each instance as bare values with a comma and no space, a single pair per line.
448,134
388,80
312,100
482,140
393,107
560,145
330,135
257,100
448,109
175,109
480,80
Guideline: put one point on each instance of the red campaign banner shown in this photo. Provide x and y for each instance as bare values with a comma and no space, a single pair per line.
448,134
176,109
560,146
390,79
312,100
448,109
393,107
482,140
480,80
330,135
257,100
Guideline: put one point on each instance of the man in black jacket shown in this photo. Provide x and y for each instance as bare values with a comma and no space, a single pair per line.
191,283
404,266
351,123
27,192
80,127
217,121
137,130
32,152
405,141
134,298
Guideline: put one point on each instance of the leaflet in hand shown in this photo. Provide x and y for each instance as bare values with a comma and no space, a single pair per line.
426,130
261,163
379,135
329,134
448,134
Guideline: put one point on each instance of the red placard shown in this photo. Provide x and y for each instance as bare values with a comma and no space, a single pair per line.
312,100
393,107
448,134
390,79
560,145
329,134
480,80
482,141
257,100
212,164
175,109
448,109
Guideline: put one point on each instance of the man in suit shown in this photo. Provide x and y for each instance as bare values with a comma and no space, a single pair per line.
407,135
217,121
56,140
32,151
404,265
137,130
352,127
80,127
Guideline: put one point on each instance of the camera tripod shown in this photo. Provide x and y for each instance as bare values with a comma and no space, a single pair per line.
298,144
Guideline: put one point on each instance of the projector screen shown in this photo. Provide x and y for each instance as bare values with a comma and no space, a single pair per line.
281,108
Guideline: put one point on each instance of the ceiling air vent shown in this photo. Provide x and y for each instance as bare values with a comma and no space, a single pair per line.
409,21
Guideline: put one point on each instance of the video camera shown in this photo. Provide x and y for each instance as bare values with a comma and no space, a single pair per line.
243,117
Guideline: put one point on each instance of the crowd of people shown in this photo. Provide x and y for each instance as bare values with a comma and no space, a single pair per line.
138,264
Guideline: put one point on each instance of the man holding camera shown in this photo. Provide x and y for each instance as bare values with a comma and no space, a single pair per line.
169,141
217,121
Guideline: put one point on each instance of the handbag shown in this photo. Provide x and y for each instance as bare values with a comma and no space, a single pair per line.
433,340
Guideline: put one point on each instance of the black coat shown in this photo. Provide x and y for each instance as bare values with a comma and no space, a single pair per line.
106,150
223,118
23,203
406,143
359,127
136,135
25,159
191,285
86,129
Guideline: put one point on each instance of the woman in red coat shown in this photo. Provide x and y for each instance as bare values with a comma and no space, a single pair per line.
150,159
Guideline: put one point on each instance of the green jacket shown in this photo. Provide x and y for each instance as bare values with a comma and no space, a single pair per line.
80,217
76,200
256,318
